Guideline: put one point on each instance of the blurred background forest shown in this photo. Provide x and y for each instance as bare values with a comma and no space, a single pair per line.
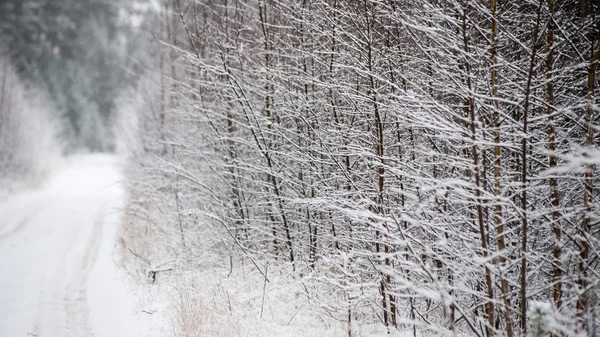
78,53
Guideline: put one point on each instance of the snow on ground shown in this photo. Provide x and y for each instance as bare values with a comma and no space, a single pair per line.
57,275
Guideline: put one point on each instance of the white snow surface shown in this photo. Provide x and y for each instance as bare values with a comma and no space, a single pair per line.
57,274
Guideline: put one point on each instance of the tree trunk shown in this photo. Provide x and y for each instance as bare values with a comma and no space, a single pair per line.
524,175
504,287
552,181
587,193
470,108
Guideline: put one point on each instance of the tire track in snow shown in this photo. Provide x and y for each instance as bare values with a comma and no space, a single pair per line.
76,302
51,318
23,223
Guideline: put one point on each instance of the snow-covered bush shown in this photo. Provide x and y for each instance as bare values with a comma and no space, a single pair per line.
29,147
540,314
136,116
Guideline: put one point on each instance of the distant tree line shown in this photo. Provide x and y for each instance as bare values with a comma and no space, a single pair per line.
74,50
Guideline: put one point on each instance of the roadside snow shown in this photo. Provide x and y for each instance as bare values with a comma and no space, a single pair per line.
56,245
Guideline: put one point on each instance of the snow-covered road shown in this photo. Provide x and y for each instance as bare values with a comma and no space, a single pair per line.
57,275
